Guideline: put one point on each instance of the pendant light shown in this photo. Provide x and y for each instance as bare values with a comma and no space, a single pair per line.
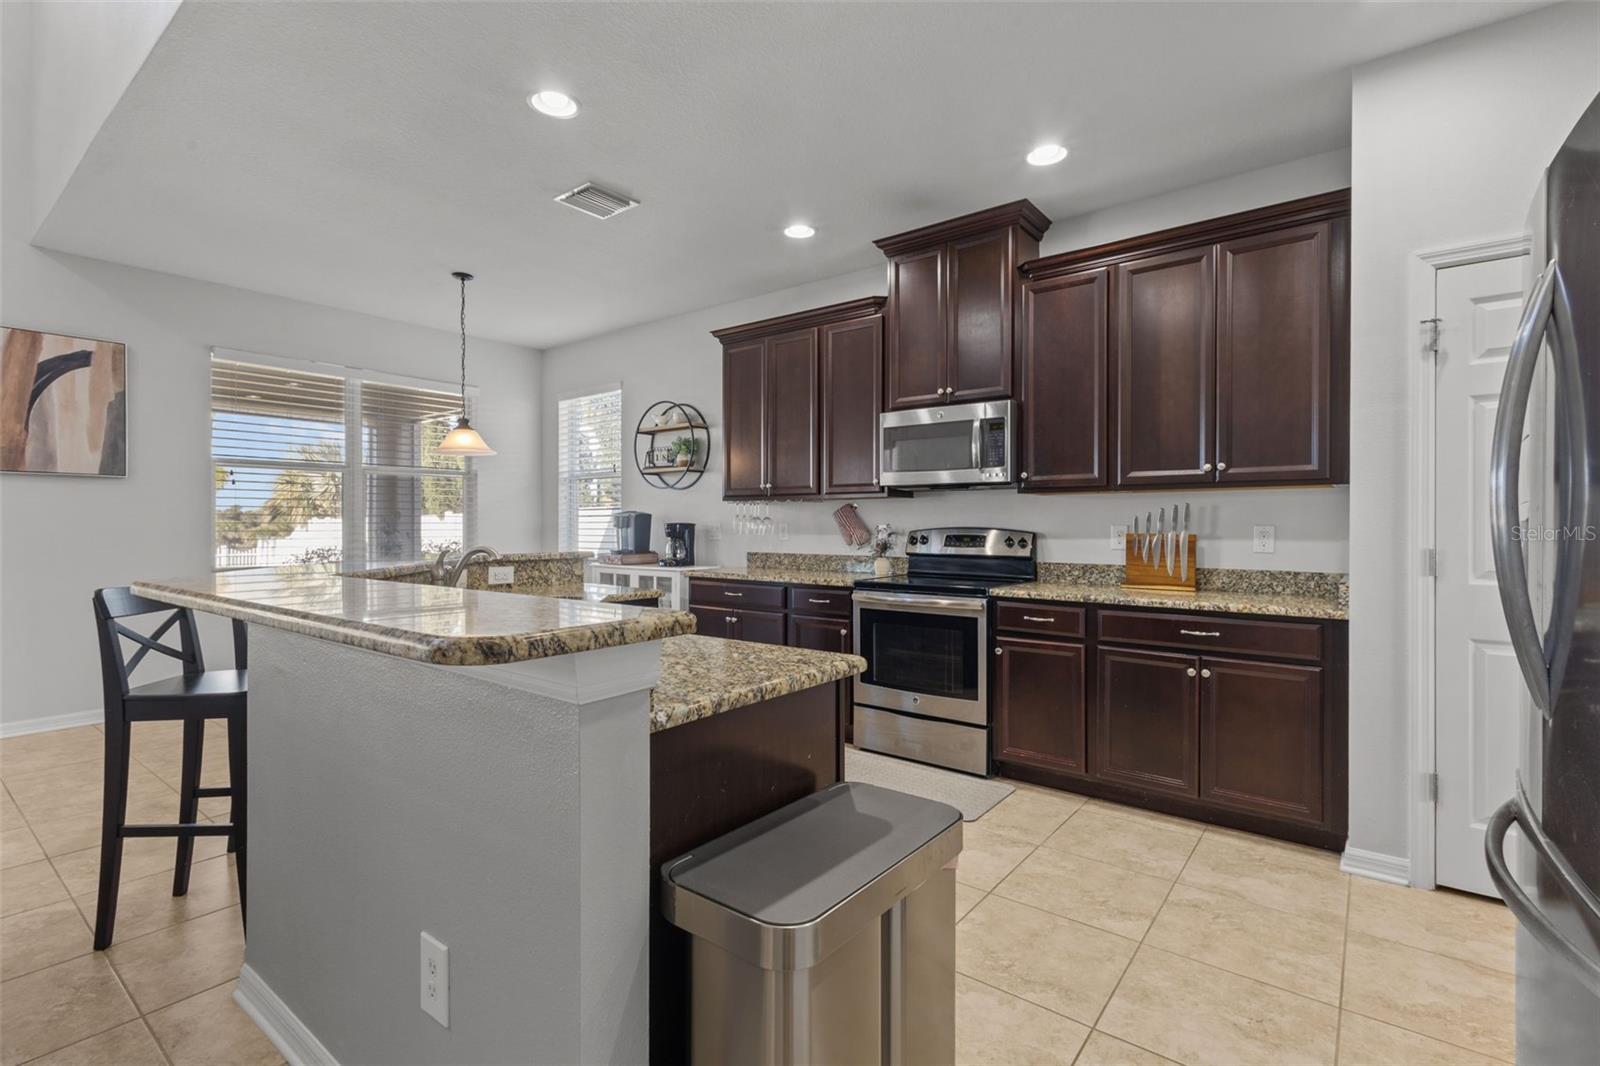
463,439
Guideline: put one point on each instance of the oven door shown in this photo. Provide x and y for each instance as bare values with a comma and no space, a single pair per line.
924,654
958,444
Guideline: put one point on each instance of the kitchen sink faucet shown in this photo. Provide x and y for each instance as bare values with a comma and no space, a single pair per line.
449,575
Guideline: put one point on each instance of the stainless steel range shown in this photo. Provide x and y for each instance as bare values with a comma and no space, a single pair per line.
925,693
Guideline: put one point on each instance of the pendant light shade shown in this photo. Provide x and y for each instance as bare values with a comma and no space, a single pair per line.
463,439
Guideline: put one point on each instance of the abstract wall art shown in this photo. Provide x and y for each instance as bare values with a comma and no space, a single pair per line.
63,404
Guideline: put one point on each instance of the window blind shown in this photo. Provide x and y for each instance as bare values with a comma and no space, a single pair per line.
589,469
416,499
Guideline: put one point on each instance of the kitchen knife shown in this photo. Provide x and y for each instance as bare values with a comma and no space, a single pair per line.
1183,547
1135,533
1172,538
1161,533
1149,535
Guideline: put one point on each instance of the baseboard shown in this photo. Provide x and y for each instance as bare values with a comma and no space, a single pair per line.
23,726
288,1034
1395,869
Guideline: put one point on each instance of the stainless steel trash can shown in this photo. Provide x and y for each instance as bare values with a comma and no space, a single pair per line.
823,933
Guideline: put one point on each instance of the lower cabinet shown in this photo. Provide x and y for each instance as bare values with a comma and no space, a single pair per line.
820,634
1261,737
1039,693
764,627
1146,720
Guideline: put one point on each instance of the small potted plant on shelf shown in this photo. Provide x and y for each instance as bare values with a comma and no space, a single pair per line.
882,541
683,449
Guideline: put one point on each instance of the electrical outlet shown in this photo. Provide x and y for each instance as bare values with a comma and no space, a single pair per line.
502,575
713,531
783,531
436,980
1119,538
1266,540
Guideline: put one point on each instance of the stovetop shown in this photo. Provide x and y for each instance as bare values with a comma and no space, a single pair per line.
962,561
940,585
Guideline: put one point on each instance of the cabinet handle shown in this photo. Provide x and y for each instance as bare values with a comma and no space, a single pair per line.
813,599
1206,468
844,632
1191,671
735,618
1221,467
1205,673
1037,618
1200,632
1023,475
999,651
730,592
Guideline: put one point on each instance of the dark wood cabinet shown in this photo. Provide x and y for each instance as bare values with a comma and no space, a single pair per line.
790,414
1261,737
1065,357
852,397
1146,720
743,403
1166,367
763,627
953,305
1039,703
713,621
820,634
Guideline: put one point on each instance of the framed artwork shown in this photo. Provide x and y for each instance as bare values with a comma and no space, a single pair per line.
63,404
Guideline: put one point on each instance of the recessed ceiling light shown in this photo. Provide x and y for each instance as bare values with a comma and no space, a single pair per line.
1046,155
799,231
556,105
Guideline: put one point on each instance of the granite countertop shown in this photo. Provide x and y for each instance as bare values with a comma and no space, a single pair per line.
446,626
703,676
841,579
1230,602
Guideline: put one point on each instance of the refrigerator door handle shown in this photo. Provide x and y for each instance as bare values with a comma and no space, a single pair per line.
1505,457
1572,487
1517,811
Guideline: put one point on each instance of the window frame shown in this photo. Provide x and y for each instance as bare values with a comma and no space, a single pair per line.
562,480
354,470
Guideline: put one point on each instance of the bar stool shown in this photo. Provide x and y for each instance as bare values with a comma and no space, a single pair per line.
192,697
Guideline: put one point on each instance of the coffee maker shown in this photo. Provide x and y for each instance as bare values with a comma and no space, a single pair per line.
679,549
633,531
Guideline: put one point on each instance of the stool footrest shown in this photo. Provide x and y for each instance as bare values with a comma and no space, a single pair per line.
198,829
221,790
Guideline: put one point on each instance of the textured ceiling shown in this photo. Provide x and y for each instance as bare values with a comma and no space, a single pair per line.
354,154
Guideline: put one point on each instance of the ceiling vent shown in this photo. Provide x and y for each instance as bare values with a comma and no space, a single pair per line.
591,199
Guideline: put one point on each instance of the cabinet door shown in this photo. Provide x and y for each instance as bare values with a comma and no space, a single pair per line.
820,634
1274,356
1064,364
914,372
981,274
743,397
1166,368
1039,703
712,622
1146,731
1261,737
763,627
852,397
791,415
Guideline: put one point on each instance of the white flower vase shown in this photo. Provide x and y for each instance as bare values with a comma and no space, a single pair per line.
880,566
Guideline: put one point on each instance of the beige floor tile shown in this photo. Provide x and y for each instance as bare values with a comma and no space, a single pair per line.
1449,923
77,789
1030,815
18,846
141,857
54,1007
210,1028
1246,938
1147,847
1059,964
1287,881
22,888
41,937
74,832
1102,1049
10,816
1106,897
1365,1042
1139,814
995,1028
1191,1012
145,905
174,963
967,898
1450,1000
44,751
129,1044
987,855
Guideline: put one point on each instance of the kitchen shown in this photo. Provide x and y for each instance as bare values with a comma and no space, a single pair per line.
1171,356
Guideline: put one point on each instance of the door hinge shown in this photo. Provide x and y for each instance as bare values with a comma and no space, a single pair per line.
1432,325
1430,562
1430,785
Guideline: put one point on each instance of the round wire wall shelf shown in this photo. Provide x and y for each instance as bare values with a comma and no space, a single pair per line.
654,440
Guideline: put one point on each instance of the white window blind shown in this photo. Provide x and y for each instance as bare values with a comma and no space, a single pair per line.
319,465
589,468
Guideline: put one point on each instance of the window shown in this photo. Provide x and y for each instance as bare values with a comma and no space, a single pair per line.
322,464
589,469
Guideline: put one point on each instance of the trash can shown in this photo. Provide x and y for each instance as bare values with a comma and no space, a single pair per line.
823,932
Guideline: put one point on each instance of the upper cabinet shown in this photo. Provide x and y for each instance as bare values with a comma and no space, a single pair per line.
801,396
1225,350
952,308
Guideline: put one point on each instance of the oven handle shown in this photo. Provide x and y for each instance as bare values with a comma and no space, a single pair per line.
927,604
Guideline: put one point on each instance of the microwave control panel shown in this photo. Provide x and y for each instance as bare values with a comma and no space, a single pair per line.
992,443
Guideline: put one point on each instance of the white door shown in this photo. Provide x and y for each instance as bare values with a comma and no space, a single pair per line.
1479,694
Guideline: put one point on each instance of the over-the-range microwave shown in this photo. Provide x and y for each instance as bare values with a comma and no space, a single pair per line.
952,445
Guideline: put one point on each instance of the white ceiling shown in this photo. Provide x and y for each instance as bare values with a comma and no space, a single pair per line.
354,154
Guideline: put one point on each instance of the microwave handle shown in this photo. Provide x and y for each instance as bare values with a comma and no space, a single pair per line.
977,444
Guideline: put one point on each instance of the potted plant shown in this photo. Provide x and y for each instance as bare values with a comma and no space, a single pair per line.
683,449
882,541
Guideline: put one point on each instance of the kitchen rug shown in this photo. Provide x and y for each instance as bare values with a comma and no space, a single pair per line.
972,796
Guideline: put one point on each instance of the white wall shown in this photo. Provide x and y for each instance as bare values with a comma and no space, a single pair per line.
677,359
1448,143
62,537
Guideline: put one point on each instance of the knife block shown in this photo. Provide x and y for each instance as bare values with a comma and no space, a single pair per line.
1152,576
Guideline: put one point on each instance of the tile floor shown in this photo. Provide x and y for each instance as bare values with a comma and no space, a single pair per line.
1088,933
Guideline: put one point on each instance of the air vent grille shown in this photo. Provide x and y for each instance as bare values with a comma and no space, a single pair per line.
593,200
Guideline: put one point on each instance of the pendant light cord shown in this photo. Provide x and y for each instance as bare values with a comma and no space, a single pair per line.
463,278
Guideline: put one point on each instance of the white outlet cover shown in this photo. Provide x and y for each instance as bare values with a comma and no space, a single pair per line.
1119,537
1265,540
502,575
436,980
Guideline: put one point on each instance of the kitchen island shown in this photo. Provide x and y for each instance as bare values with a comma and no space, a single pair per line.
500,771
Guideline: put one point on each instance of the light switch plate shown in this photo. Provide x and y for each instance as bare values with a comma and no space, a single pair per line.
1119,538
1266,540
502,575
436,980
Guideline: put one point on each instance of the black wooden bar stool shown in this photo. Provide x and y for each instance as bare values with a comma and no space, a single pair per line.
192,697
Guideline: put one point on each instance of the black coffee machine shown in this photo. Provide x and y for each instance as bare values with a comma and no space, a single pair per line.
633,531
679,549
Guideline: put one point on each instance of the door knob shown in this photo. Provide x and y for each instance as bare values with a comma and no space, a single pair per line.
1221,467
999,651
1205,673
1206,468
1023,475
1191,671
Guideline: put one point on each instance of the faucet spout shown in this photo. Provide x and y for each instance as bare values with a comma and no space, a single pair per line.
450,576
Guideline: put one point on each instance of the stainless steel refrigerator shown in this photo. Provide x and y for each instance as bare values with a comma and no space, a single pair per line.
1543,844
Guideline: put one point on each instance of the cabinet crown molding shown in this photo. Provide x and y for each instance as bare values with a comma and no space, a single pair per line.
865,307
1209,231
1020,213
